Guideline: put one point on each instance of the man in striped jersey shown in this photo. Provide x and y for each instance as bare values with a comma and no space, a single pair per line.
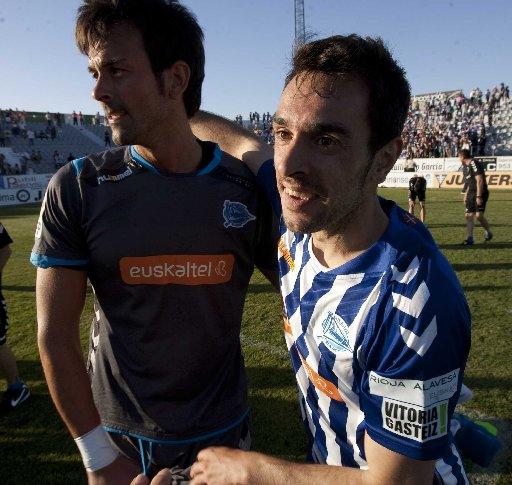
376,322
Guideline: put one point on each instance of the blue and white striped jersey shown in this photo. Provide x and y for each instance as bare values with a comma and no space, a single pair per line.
378,345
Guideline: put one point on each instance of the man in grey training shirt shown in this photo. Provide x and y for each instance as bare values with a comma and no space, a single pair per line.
167,229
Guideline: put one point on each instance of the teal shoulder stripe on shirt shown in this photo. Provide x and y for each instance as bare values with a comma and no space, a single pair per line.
214,162
45,262
217,154
135,154
78,164
266,180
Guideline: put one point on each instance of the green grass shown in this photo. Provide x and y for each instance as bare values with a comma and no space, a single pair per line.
35,447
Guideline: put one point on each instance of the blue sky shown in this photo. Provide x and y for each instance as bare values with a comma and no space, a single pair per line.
442,44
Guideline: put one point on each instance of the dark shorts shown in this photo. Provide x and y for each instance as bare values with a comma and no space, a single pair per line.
420,194
4,320
471,205
178,457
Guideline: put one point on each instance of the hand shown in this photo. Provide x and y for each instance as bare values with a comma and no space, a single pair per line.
120,472
220,465
163,477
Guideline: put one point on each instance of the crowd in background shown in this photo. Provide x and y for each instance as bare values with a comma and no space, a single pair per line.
437,126
445,123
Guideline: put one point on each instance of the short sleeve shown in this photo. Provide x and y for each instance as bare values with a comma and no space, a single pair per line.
415,358
5,239
59,238
267,235
266,180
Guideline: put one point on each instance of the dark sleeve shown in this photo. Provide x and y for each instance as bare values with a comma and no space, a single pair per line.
476,168
59,238
267,235
266,180
5,239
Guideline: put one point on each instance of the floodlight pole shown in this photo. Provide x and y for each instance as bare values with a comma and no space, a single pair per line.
300,27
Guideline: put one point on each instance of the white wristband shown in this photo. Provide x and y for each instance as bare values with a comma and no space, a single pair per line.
96,450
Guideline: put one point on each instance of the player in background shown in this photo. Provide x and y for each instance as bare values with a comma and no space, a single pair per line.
167,230
417,189
17,392
476,196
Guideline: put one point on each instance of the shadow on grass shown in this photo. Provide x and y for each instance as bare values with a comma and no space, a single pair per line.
19,288
462,225
480,266
482,383
486,288
31,288
261,288
20,210
459,246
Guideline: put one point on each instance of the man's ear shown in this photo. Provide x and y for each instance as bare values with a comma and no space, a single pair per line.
175,80
386,157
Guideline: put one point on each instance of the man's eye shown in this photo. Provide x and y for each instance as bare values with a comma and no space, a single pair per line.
283,135
94,75
116,72
326,141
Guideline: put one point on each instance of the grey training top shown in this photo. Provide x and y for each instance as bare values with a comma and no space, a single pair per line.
169,257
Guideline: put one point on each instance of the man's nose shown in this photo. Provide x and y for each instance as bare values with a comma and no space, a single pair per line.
291,158
102,91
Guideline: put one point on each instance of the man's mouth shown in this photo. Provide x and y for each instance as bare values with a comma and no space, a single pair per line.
299,194
115,115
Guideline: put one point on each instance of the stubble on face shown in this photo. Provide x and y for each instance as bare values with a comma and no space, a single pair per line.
338,194
133,95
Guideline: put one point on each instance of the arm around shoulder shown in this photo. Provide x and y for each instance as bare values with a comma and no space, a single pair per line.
232,139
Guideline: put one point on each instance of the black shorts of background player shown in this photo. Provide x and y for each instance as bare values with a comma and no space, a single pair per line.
475,197
417,189
17,392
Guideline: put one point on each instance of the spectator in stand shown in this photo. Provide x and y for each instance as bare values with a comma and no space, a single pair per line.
57,160
3,165
75,119
48,117
107,138
81,118
97,118
53,132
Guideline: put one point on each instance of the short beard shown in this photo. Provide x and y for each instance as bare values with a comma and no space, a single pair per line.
337,225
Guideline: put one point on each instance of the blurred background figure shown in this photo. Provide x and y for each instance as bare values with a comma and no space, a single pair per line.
17,392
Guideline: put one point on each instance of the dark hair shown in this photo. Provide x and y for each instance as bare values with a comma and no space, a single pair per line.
465,153
170,33
369,60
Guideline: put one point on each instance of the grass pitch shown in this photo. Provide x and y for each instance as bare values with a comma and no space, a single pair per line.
36,448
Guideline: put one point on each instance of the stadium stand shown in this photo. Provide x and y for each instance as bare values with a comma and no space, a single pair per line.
439,124
42,146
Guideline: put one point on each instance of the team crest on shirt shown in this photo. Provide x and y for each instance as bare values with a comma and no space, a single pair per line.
335,333
236,214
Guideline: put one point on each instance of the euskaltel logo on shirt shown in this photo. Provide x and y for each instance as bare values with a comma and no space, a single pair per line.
177,269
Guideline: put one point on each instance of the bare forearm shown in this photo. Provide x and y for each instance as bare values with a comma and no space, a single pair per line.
274,471
60,296
232,139
68,383
479,185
